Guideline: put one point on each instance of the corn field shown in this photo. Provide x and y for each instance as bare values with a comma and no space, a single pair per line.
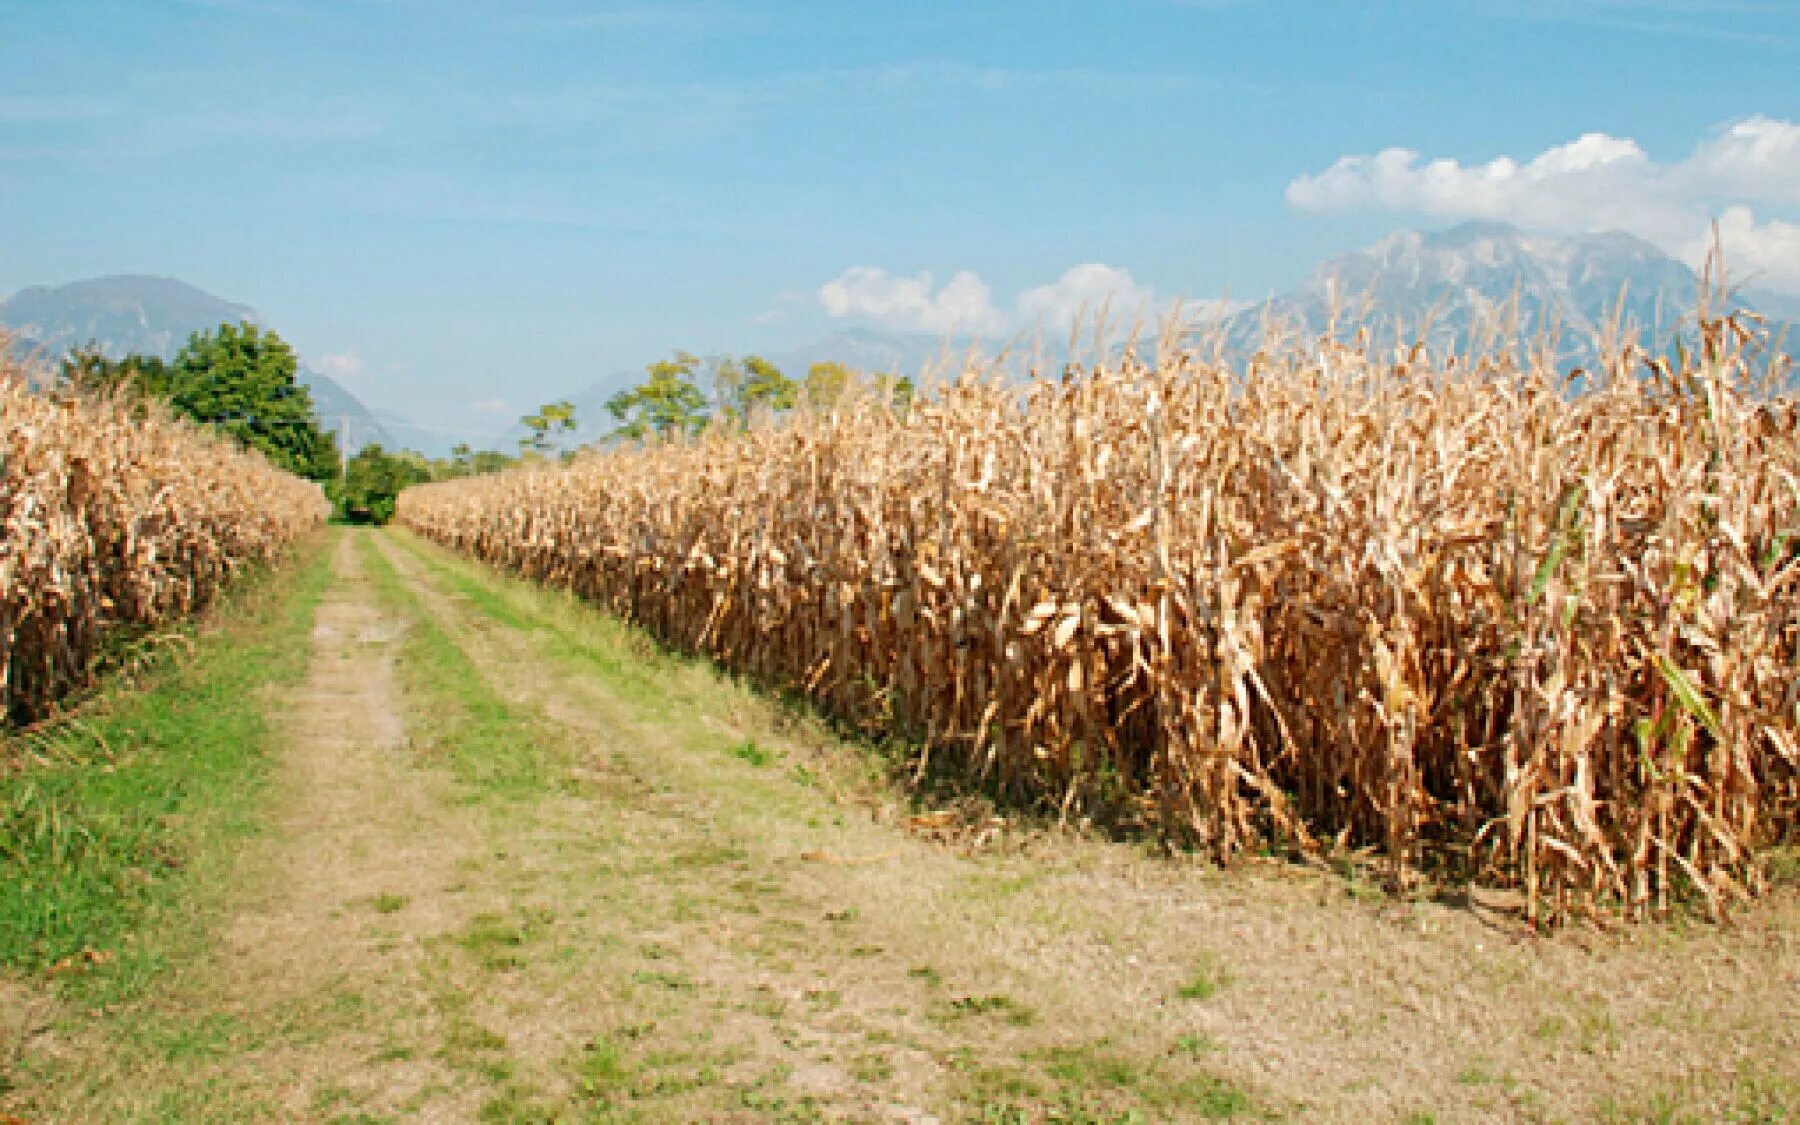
115,519
1335,598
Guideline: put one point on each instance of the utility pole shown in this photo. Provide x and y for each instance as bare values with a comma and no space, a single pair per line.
344,448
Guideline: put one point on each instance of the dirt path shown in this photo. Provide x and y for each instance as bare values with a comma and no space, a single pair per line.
1079,978
523,866
364,869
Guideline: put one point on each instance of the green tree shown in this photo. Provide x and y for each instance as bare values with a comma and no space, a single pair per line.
764,387
241,379
552,421
827,381
669,401
490,461
897,390
87,370
373,479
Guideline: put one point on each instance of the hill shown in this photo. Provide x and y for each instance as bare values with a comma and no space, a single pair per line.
134,313
1467,281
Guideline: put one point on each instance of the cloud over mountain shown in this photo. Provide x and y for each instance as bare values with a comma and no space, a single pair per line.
1601,182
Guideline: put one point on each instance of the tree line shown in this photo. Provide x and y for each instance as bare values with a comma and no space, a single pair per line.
674,399
243,380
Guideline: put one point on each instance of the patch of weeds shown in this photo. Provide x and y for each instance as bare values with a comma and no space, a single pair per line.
750,752
495,941
803,1110
1208,1096
1595,1031
824,997
666,1074
712,855
674,982
1207,979
993,1085
1478,1071
517,1105
601,1069
848,914
927,974
768,1005
389,903
1089,1066
1088,1069
329,1096
1016,1014
468,1036
1196,1045
872,1067
1761,1096
1783,866
210,1036
1660,1107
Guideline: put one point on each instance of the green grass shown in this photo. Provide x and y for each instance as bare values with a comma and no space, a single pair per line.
1208,978
146,790
497,749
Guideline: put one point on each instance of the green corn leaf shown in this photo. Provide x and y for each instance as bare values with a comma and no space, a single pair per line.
1689,696
1546,569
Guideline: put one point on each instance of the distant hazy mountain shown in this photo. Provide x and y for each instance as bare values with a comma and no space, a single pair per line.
130,314
1475,277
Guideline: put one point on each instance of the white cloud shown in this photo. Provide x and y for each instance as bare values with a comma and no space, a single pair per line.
1601,182
1757,158
1766,254
1083,292
910,304
345,367
966,303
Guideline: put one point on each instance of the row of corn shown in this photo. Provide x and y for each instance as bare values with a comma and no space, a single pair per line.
1333,600
115,520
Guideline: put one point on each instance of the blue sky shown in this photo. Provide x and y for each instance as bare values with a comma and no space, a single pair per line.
465,207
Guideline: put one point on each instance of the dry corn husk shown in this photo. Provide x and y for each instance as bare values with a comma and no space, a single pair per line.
1337,597
115,517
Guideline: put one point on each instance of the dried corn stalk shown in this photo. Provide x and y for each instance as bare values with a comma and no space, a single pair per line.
115,517
1334,598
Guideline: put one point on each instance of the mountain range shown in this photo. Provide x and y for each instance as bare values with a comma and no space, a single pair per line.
1447,286
1452,286
132,314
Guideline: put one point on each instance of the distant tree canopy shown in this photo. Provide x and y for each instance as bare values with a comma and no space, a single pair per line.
87,370
242,379
827,383
239,378
466,461
553,420
373,479
670,401
761,386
